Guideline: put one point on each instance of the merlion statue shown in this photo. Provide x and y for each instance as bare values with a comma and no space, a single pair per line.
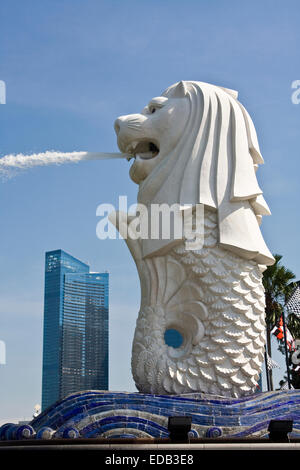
196,144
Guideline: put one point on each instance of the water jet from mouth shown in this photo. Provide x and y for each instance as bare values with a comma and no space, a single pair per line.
10,164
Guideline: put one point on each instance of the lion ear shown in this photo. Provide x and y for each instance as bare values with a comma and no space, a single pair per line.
180,90
230,92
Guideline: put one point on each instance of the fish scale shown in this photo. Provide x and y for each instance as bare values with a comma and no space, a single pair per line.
227,356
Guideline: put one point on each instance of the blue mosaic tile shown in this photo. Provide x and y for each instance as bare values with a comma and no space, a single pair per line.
227,421
253,412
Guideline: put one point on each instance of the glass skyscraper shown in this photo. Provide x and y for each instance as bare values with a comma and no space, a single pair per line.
75,349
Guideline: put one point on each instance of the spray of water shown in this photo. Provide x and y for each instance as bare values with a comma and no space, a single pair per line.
10,164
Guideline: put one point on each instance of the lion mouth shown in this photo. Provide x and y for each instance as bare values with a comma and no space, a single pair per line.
144,150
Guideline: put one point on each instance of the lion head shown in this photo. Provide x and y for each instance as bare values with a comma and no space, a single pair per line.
194,144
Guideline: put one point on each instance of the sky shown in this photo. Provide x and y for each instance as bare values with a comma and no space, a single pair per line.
71,67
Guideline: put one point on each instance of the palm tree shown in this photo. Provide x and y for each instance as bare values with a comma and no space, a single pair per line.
278,287
293,325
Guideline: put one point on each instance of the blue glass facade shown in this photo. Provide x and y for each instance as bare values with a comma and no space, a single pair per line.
75,349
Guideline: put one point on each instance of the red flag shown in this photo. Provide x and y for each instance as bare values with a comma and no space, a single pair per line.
278,329
278,332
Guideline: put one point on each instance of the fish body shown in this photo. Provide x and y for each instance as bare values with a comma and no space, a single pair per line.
215,299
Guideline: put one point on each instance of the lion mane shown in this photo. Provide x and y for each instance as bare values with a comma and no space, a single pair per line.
214,163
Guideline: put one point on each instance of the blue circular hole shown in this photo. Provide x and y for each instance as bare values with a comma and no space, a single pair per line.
173,338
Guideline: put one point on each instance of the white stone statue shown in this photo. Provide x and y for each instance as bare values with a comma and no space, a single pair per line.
196,144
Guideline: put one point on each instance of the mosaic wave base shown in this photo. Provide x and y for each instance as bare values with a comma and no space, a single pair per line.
105,414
